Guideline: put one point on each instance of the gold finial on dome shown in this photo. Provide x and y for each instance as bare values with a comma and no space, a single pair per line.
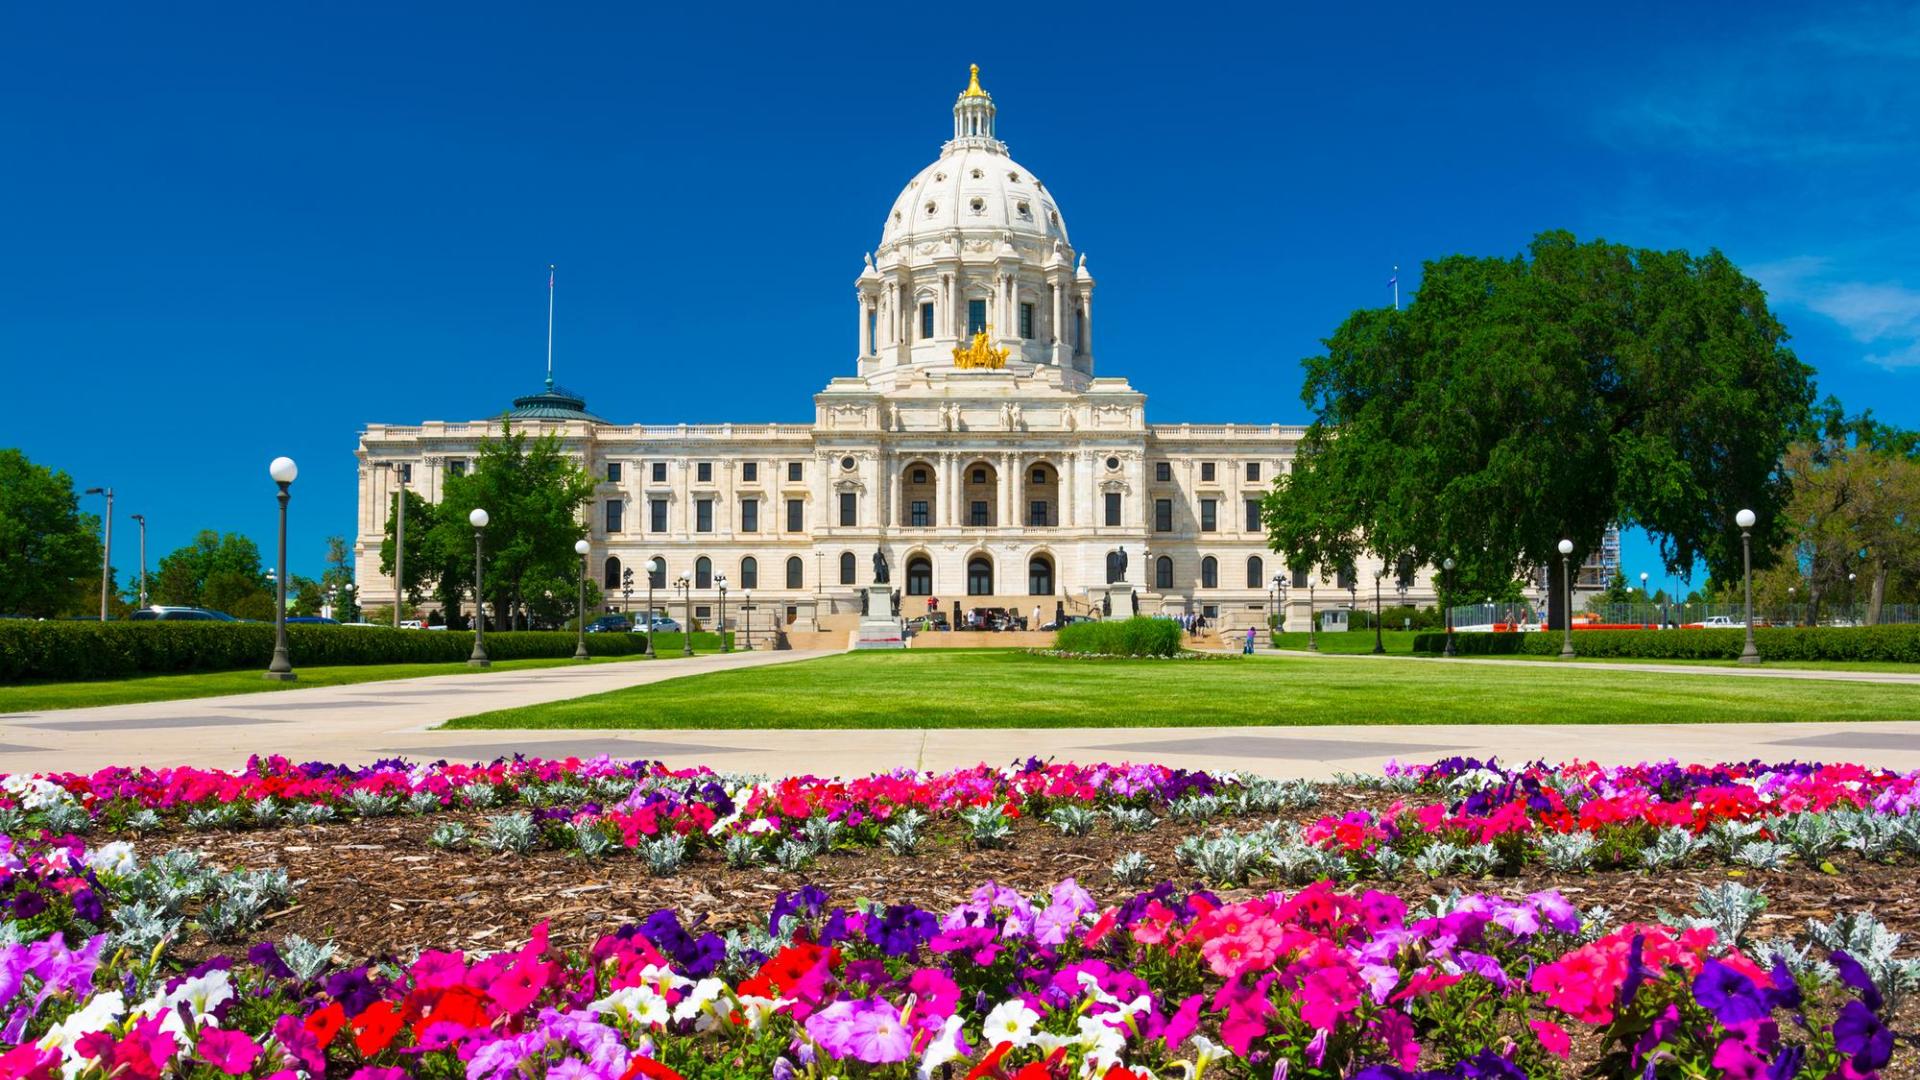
973,82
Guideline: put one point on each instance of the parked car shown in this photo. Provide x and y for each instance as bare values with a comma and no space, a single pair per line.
320,620
1055,624
664,625
1717,622
413,624
610,624
929,623
159,613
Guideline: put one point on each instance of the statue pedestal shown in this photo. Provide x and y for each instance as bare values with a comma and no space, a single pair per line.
1120,595
879,629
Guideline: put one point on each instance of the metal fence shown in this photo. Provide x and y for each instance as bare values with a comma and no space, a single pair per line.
1682,614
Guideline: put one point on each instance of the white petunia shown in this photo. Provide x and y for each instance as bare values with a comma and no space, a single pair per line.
637,1005
704,993
945,1047
116,859
1010,1022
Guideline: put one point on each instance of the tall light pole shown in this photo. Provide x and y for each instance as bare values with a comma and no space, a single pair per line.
346,598
1379,647
399,542
142,519
478,519
283,470
656,566
746,617
1279,602
720,582
1644,594
106,553
1447,607
685,585
1566,602
1313,631
580,548
626,594
1745,519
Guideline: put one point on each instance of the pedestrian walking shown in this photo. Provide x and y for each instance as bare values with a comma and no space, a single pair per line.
1249,649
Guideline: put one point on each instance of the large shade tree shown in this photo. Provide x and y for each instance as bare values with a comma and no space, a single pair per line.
1517,401
49,550
222,572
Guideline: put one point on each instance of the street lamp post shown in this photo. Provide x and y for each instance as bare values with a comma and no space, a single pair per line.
1566,602
626,594
1644,594
283,471
685,585
580,618
1279,606
1745,519
1313,632
142,520
399,542
720,582
655,566
1379,647
1447,607
478,519
1792,617
106,554
746,617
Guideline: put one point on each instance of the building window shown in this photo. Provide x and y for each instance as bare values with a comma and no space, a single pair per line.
1299,577
703,472
926,322
1209,573
659,472
701,614
1209,516
1253,516
1163,515
703,573
1037,512
613,472
1039,577
979,576
749,573
796,573
1079,329
793,472
919,476
1113,508
1163,572
918,514
1163,472
1210,611
749,472
796,515
1256,572
1253,471
846,568
1026,321
657,572
849,508
616,515
976,317
657,515
703,515
977,512
611,574
1039,476
1206,472
457,467
919,576
749,515
1346,578
979,476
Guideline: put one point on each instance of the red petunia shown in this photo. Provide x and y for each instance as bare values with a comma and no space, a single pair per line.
326,1023
653,1070
374,1028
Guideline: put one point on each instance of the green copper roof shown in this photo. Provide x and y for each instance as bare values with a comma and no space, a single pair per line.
552,403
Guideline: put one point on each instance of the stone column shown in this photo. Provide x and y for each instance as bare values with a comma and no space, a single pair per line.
1005,490
865,308
1016,490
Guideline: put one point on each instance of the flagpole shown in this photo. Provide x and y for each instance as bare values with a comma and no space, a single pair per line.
550,326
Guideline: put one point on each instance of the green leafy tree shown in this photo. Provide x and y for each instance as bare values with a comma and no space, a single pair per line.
304,596
1518,401
425,563
49,550
337,576
533,494
212,571
1852,517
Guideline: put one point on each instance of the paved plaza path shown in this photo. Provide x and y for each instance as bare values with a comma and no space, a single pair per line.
366,721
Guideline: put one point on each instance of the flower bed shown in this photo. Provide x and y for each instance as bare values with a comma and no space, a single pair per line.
1298,941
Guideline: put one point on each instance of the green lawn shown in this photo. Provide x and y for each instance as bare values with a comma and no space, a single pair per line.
1354,642
990,688
30,697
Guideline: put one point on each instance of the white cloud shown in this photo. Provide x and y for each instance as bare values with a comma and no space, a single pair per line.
1884,315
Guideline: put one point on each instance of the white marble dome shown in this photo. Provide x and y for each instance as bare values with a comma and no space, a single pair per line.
973,187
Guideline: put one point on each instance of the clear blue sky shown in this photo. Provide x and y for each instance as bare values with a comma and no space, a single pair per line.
240,231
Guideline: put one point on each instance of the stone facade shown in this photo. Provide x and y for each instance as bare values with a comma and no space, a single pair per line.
974,448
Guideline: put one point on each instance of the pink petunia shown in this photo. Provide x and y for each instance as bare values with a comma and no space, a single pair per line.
232,1052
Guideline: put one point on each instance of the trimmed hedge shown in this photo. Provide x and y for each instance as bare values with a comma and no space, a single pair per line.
93,650
1893,644
1141,635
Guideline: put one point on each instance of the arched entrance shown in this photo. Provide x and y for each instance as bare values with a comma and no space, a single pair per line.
979,576
919,496
919,575
980,495
612,579
1039,576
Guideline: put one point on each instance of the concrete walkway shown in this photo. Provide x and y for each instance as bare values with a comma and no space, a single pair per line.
357,722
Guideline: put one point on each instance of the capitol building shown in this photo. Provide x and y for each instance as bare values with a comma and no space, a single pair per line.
974,445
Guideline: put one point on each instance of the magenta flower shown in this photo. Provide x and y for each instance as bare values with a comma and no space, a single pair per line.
232,1052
